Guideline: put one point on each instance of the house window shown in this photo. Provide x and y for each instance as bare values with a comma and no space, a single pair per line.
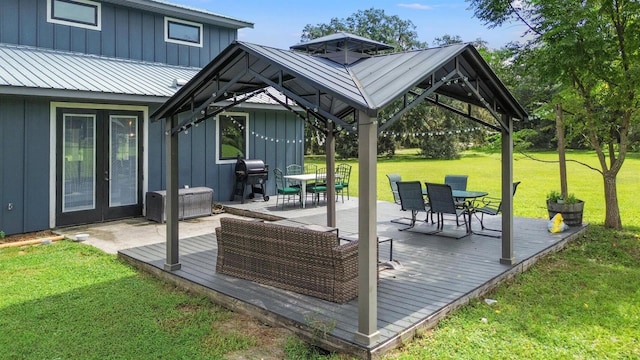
232,137
78,13
182,32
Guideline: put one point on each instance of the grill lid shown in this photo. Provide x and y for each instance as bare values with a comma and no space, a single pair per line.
248,166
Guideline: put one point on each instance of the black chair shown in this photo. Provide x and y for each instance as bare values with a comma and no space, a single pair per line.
442,202
457,182
411,199
491,206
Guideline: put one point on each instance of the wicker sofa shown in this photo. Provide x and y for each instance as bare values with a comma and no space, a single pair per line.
301,260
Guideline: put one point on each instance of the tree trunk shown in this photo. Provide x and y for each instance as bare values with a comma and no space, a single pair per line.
612,217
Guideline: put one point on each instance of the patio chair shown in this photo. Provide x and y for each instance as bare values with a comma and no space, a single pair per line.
411,199
294,169
442,202
457,182
319,186
283,190
393,180
343,172
491,206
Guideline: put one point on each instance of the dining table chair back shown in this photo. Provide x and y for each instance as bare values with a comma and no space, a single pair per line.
319,186
393,181
457,182
343,174
283,190
411,199
442,202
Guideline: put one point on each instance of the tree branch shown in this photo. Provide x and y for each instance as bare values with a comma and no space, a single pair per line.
557,161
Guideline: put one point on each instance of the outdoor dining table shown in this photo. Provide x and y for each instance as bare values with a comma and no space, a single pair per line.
303,179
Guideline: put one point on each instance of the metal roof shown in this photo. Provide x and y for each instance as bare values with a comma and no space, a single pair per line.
34,71
341,41
184,12
333,90
42,72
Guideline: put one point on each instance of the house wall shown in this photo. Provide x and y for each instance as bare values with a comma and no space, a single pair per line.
126,33
24,164
197,151
26,150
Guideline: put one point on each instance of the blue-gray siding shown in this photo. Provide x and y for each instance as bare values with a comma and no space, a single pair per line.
197,152
25,154
24,164
126,33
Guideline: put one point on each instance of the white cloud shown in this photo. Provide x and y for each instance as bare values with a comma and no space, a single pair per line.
416,6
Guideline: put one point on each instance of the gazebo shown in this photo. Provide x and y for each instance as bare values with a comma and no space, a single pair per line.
343,82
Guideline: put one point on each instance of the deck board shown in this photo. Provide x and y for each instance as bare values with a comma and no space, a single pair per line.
437,275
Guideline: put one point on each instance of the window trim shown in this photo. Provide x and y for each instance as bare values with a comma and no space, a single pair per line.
219,142
200,27
97,5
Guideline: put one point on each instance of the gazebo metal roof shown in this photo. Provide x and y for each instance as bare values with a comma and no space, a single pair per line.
347,89
333,90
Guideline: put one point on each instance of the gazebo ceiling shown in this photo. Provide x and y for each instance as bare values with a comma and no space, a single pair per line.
331,90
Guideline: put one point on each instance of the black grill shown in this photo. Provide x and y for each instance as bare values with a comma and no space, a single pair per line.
253,173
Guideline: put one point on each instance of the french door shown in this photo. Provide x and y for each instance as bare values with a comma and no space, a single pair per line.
99,165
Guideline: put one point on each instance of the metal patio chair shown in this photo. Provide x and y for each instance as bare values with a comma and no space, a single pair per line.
319,186
442,202
411,199
490,206
283,190
343,172
393,181
457,182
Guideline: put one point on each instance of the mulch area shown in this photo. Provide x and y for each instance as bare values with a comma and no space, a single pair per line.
27,236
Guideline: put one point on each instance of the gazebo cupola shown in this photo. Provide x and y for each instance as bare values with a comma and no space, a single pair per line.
342,47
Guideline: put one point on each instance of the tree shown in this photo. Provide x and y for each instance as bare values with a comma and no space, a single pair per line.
590,49
373,24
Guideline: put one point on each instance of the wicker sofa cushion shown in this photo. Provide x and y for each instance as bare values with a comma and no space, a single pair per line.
301,260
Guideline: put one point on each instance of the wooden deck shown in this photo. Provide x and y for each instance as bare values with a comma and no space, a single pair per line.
438,274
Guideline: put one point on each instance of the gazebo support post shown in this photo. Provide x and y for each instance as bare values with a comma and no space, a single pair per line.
330,151
367,333
171,209
507,192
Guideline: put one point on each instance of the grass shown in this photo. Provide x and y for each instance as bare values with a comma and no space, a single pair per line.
71,301
538,178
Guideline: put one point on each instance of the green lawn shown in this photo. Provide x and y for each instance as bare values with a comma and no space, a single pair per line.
71,301
537,179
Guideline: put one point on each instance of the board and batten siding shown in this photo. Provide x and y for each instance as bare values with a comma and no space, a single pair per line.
24,164
126,33
197,151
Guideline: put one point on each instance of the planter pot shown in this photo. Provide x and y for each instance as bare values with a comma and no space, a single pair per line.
571,213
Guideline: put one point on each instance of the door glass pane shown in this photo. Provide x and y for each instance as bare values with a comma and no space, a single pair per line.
123,162
79,170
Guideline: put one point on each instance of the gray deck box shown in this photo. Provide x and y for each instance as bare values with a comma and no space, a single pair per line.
192,202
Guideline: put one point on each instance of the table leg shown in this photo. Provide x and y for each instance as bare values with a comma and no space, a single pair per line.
303,193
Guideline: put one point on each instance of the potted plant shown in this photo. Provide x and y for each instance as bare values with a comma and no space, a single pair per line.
570,207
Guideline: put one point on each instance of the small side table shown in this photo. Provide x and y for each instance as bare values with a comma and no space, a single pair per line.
381,239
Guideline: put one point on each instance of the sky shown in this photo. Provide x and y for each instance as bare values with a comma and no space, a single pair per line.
279,23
